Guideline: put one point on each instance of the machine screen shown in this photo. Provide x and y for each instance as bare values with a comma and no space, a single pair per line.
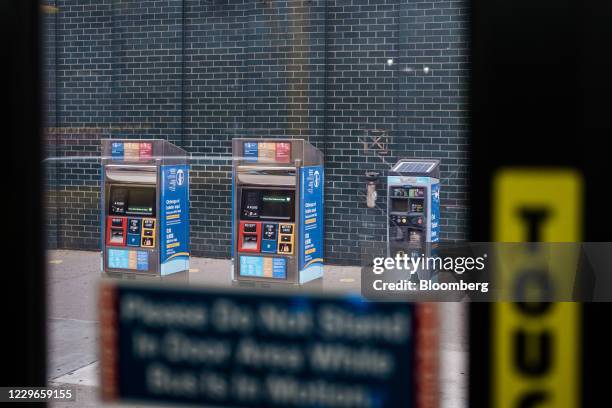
277,205
268,205
132,201
398,205
250,204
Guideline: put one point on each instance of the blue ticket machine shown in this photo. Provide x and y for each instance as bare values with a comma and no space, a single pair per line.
277,212
413,207
145,209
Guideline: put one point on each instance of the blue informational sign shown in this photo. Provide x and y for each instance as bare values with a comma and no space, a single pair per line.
174,219
435,212
251,266
237,349
279,268
142,260
311,226
117,151
251,151
128,259
263,267
118,259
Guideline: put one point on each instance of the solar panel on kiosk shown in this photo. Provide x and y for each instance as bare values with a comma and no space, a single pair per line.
414,167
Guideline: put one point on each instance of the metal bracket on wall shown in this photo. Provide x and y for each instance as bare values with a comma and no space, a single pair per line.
376,140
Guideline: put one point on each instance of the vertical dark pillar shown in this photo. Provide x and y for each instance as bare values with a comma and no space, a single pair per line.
541,88
23,276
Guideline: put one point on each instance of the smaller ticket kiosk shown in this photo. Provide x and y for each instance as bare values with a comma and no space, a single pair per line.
145,209
277,212
413,206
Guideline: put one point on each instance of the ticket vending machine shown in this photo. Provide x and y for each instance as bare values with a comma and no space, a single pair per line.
413,206
145,209
277,212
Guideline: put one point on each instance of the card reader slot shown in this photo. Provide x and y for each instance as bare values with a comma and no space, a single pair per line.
249,241
116,236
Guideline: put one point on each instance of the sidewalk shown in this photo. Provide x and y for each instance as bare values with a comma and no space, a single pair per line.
72,279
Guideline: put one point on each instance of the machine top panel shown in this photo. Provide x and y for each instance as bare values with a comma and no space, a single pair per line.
142,151
416,167
275,152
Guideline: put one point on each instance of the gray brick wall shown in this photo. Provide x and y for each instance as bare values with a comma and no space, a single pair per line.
201,72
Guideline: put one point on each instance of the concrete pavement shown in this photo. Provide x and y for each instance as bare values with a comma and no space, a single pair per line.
72,280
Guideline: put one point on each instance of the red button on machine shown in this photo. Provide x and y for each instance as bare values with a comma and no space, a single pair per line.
116,231
249,236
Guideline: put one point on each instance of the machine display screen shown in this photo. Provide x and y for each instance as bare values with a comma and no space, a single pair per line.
132,201
399,205
262,204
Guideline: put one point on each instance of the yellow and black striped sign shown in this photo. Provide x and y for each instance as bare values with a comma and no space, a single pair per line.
535,347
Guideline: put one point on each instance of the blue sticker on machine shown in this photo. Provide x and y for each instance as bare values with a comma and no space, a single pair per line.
311,226
435,212
251,151
392,180
222,348
118,259
279,268
251,266
174,232
142,260
117,151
